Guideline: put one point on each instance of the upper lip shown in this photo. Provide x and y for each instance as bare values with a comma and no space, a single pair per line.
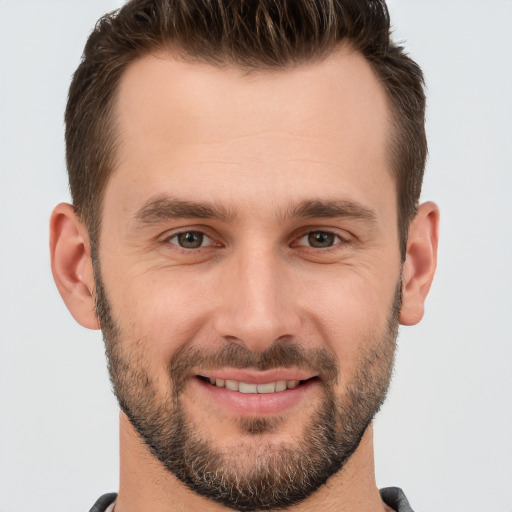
256,376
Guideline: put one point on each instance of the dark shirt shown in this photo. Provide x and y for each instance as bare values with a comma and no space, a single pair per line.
392,496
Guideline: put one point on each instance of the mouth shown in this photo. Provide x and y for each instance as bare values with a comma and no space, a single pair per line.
257,393
277,386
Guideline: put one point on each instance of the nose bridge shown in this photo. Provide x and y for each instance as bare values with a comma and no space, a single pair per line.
257,308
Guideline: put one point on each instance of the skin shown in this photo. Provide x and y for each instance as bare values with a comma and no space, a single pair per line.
255,146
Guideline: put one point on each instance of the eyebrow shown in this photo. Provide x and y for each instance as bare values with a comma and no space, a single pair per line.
160,209
167,208
331,209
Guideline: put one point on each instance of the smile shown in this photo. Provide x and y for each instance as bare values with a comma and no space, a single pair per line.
246,387
255,393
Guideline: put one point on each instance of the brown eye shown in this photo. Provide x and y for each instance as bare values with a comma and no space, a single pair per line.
319,239
190,239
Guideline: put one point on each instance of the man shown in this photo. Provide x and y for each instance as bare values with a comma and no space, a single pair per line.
246,232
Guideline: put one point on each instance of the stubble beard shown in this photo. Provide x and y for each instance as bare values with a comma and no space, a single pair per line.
279,474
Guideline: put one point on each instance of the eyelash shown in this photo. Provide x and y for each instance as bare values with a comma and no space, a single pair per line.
339,240
189,232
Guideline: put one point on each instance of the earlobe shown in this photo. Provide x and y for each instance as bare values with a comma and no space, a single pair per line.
420,263
71,264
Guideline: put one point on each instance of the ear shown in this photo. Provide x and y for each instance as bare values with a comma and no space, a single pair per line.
420,263
72,265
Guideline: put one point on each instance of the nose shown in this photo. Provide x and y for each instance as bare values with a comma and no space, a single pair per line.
256,303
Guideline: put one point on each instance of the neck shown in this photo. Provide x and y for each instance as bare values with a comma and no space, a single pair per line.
146,485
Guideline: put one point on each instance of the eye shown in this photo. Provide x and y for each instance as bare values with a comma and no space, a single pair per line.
319,239
190,239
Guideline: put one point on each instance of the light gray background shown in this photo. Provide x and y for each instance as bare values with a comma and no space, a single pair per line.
445,434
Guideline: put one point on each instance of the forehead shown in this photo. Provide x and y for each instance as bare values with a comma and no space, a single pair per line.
210,130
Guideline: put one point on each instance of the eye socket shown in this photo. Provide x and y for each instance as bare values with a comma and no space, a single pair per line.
190,239
319,239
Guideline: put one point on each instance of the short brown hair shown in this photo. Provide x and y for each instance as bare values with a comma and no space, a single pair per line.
249,33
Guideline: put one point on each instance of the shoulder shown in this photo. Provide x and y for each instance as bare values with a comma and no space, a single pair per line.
103,502
395,498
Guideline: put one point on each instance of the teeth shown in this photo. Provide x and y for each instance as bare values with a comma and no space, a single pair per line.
280,385
244,387
267,388
232,385
247,388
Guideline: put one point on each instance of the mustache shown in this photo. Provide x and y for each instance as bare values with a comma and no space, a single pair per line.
316,360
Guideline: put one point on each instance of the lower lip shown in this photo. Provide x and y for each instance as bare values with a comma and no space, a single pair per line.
257,404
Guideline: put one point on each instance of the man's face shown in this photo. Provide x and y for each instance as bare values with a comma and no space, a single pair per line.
249,241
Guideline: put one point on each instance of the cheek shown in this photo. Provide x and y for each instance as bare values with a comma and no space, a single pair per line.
351,314
158,313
